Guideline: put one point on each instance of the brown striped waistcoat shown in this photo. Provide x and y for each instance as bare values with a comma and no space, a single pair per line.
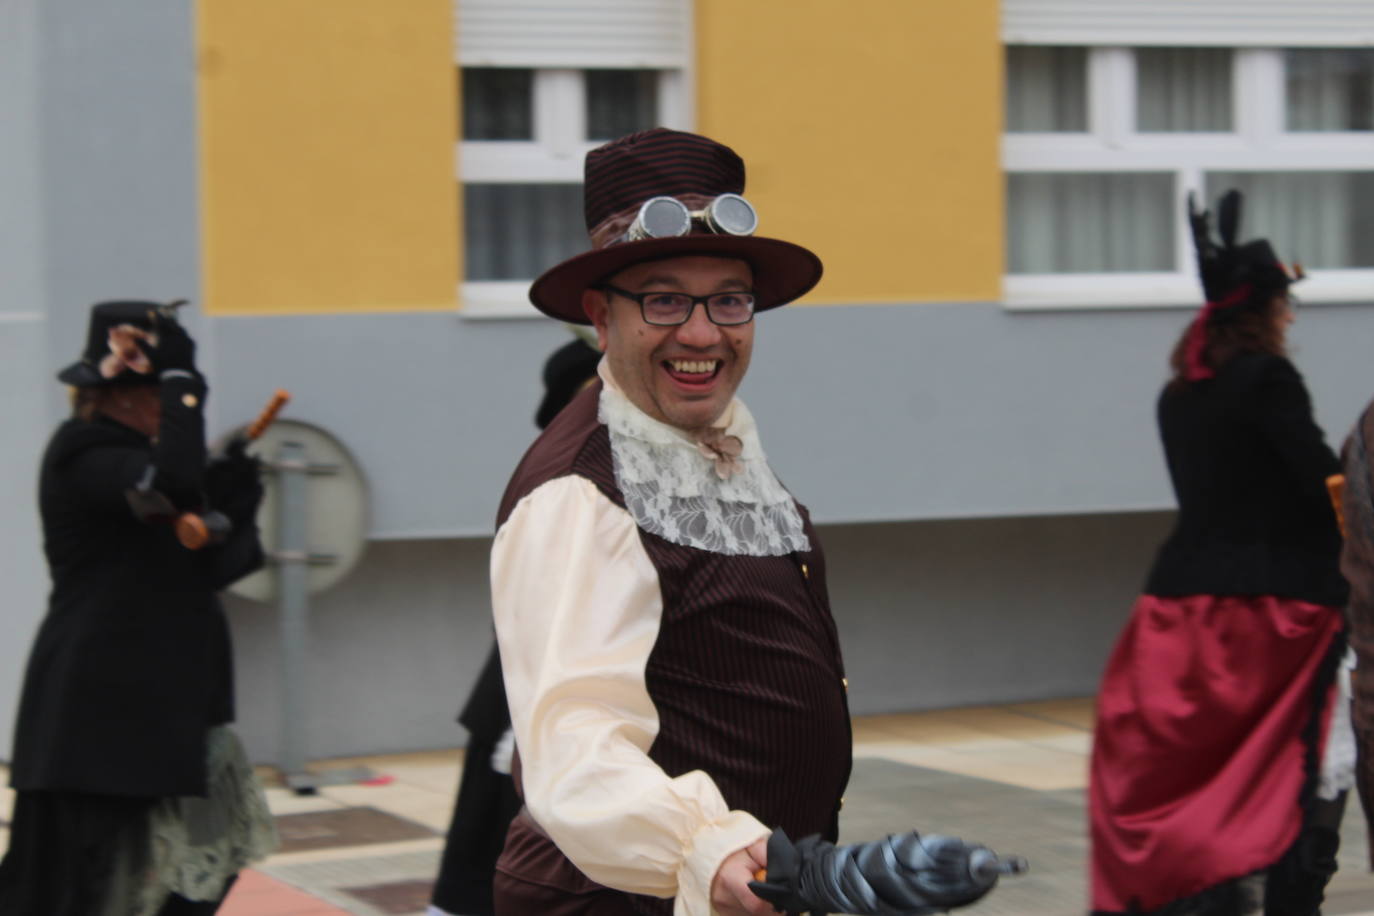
746,674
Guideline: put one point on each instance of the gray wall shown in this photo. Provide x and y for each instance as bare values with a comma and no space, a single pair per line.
870,413
393,651
931,614
21,561
117,128
23,350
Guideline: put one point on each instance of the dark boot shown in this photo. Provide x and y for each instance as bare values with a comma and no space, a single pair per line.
1296,884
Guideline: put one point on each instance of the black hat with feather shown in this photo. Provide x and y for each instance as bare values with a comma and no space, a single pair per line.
1226,266
115,336
1233,275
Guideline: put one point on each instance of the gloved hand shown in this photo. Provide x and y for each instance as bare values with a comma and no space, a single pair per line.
233,485
901,875
175,349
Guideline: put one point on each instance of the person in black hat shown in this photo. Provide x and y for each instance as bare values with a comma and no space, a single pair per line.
132,797
1213,785
487,800
673,671
567,371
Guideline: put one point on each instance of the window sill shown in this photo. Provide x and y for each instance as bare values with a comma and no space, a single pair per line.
507,299
1048,292
496,299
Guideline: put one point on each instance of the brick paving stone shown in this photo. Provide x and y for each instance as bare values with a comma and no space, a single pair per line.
256,894
334,879
396,898
345,827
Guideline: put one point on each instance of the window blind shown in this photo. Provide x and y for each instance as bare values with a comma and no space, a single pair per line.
573,33
1212,23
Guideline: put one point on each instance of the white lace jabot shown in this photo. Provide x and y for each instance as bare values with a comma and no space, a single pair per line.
672,490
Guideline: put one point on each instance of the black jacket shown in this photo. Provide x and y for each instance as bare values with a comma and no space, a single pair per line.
486,715
132,663
1249,466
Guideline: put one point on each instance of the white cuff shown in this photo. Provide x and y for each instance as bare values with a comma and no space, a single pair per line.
710,846
166,374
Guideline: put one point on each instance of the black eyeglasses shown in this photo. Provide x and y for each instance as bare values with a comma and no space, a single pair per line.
666,309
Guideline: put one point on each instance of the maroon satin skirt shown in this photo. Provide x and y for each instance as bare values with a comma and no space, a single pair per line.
1199,759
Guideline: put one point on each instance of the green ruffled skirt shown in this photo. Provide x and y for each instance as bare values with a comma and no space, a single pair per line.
193,846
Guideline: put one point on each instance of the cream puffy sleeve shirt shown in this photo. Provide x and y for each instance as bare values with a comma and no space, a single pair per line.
577,607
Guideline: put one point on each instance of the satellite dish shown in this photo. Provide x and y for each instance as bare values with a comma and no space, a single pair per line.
336,508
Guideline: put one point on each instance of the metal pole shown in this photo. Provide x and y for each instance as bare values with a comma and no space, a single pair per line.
293,599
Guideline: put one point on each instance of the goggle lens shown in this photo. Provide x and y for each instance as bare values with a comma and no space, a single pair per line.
664,217
732,215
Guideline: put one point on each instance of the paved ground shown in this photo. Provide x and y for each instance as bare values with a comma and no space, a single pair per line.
1009,776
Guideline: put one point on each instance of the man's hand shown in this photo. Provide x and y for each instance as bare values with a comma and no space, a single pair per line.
730,893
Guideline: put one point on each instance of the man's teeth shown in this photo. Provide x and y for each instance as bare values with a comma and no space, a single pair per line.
693,366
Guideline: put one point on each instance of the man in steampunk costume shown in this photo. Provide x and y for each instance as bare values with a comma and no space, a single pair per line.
671,663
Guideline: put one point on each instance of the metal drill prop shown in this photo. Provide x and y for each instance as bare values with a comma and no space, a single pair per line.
900,875
194,529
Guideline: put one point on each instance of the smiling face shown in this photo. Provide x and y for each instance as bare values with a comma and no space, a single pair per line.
685,375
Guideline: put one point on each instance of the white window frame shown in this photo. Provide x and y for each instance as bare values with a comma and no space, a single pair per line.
1112,144
554,155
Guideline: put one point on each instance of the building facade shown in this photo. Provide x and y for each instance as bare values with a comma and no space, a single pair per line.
357,193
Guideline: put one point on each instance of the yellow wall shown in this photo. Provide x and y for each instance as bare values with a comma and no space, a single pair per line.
327,134
871,130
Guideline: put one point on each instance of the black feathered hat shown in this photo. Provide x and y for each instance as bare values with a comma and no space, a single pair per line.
1234,276
1226,266
113,355
620,176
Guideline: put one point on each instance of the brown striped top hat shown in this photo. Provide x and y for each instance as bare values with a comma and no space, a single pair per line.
620,176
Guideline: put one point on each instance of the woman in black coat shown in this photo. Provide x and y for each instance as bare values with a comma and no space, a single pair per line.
122,767
1206,793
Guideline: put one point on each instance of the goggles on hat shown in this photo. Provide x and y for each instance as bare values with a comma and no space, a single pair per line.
668,217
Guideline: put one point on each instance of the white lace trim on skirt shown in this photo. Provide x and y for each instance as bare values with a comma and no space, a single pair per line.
194,845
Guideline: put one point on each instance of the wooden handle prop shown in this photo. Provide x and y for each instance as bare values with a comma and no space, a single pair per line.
269,413
1335,487
192,531
191,528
